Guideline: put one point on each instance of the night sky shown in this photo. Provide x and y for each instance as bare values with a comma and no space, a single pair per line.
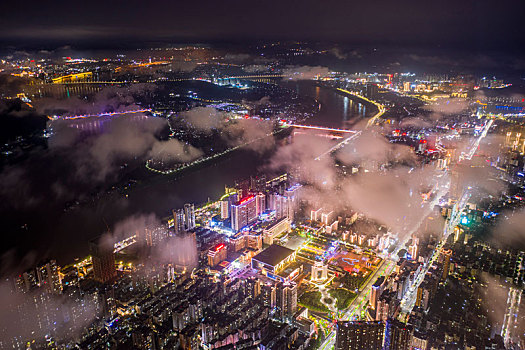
466,24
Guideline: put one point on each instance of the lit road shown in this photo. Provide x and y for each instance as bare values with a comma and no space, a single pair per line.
510,320
380,107
409,299
339,145
358,306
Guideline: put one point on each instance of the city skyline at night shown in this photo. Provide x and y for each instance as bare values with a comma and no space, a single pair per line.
279,175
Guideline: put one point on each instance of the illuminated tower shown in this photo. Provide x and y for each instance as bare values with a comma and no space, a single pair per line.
178,221
377,288
48,277
244,213
189,216
103,261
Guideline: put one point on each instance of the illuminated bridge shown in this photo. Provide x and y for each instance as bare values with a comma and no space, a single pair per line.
109,114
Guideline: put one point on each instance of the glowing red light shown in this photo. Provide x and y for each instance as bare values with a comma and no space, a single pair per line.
244,200
219,247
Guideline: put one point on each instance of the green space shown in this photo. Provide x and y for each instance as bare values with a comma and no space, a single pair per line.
352,282
312,301
343,297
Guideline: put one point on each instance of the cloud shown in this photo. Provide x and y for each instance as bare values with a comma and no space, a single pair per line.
174,150
305,72
300,155
204,118
389,195
392,198
338,53
110,99
11,85
122,138
510,230
417,122
446,107
251,132
178,250
235,131
372,150
36,314
237,58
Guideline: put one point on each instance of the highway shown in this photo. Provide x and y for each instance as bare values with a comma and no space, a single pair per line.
408,302
409,299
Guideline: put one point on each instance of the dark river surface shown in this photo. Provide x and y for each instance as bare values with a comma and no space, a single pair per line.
65,235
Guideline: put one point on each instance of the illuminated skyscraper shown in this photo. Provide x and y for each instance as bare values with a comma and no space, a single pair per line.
287,298
217,254
178,221
377,288
189,216
260,203
48,277
225,209
103,261
244,213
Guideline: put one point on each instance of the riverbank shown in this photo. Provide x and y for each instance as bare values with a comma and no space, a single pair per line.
380,108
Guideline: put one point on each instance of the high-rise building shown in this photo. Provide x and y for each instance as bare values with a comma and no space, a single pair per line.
413,249
287,298
383,307
27,281
292,194
225,209
217,254
48,277
359,335
178,221
398,336
279,204
371,91
103,259
269,295
260,203
244,213
189,216
377,288
446,254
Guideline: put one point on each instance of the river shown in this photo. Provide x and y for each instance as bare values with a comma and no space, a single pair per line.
70,231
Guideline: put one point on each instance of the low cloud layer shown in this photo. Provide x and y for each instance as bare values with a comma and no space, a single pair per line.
510,230
36,314
305,72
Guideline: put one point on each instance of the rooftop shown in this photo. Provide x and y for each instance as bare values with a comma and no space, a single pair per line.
273,255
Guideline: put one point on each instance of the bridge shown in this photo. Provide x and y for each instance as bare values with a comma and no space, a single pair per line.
109,114
71,80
